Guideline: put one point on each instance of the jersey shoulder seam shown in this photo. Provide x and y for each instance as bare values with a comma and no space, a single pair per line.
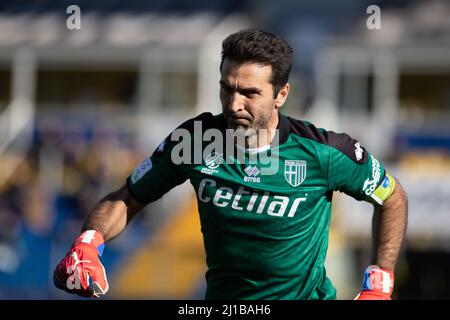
341,142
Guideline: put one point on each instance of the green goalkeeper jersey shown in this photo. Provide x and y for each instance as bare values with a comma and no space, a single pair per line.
265,232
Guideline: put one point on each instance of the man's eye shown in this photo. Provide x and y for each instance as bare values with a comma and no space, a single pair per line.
250,94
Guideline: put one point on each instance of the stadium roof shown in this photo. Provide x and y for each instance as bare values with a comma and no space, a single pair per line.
116,30
114,6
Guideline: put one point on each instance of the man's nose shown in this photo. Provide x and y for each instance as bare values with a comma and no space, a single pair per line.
236,102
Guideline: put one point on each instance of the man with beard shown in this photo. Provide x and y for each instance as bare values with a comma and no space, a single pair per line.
264,203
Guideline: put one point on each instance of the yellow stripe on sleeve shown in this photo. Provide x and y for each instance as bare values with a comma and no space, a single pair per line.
384,190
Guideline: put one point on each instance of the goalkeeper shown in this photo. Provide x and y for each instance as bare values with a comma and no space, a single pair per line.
265,224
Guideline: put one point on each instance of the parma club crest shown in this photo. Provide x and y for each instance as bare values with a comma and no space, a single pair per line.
295,172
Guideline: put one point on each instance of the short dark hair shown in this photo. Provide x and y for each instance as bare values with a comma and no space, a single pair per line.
257,46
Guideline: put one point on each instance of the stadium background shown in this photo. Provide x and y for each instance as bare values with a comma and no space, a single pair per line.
80,108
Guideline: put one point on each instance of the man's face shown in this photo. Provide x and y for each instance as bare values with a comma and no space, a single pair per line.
247,97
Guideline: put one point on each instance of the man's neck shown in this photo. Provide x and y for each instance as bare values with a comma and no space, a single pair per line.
263,137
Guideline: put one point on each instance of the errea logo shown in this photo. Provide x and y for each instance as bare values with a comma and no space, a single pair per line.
252,174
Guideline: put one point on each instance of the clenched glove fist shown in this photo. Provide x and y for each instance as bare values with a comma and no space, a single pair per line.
378,284
80,271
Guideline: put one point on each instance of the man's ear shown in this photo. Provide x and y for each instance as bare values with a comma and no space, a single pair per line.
282,96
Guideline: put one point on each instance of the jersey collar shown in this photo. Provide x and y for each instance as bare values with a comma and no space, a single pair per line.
284,128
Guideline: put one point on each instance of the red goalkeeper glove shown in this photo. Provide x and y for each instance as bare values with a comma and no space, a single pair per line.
81,271
377,284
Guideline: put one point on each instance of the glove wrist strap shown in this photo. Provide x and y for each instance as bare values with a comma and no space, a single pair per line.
92,238
379,280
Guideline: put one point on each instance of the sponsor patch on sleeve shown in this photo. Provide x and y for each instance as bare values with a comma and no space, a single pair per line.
358,151
144,167
384,190
371,184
